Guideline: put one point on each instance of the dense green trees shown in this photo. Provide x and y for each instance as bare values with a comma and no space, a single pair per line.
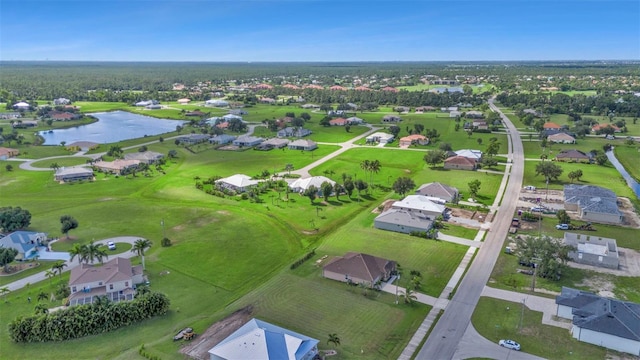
549,255
14,218
68,223
403,185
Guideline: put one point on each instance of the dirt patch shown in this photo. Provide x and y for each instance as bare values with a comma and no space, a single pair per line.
630,217
629,264
223,212
14,269
386,205
200,346
462,213
600,285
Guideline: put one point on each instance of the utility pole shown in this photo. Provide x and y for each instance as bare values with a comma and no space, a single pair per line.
522,313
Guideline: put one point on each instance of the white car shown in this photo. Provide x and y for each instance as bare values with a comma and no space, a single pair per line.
530,187
509,344
537,209
111,245
562,226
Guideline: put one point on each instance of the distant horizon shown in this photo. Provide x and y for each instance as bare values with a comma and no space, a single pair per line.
319,30
632,61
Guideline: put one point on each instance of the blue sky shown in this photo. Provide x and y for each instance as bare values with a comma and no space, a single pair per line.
324,30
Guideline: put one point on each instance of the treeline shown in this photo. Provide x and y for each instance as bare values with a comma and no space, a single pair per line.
84,320
620,105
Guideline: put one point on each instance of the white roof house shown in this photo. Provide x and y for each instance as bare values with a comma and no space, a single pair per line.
300,185
419,204
380,137
237,182
355,120
470,154
21,105
230,117
216,102
261,340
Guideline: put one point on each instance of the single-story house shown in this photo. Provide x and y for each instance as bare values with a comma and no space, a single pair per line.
303,144
561,138
301,185
273,143
460,163
117,166
402,221
293,132
81,146
10,115
216,103
592,250
21,105
63,115
338,122
379,137
115,278
222,139
402,109
263,87
470,154
230,117
184,101
267,100
158,107
473,114
193,139
551,126
573,155
358,268
247,141
592,203
425,108
532,112
147,103
23,124
455,114
449,109
61,101
238,112
600,127
310,106
74,173
258,339
390,89
335,112
606,322
420,205
413,139
25,242
238,183
480,125
148,157
391,118
6,153
440,191
355,120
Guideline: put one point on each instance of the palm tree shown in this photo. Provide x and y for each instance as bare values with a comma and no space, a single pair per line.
4,291
42,296
59,266
333,338
41,309
78,251
374,168
50,274
94,252
409,296
139,246
366,166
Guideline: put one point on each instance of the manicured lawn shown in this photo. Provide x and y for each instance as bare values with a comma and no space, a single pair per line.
46,164
459,231
40,265
628,157
533,149
494,322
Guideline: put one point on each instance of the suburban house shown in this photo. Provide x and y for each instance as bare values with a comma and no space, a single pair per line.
600,127
6,153
389,88
61,101
74,173
358,268
440,191
606,322
21,105
391,118
263,87
25,242
460,163
247,141
10,115
532,112
355,120
413,139
230,117
424,108
455,114
115,278
470,154
216,103
147,103
449,109
274,143
63,116
184,101
592,250
238,183
303,144
561,138
147,157
421,205
402,221
293,132
117,166
81,146
379,137
551,126
191,113
258,339
592,203
301,185
193,139
222,139
573,155
473,114
310,106
267,100
23,124
338,122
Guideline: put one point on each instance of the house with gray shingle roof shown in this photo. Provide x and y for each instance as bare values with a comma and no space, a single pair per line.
293,132
359,268
148,157
438,190
73,173
605,322
303,144
592,203
402,221
574,155
247,141
25,242
222,139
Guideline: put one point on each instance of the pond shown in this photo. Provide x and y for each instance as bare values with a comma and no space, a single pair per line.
633,184
111,127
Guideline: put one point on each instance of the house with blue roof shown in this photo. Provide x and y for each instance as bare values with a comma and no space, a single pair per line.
258,339
25,242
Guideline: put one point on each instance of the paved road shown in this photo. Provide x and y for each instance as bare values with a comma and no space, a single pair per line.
448,333
70,265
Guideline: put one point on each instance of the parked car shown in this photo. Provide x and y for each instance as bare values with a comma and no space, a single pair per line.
562,227
537,209
509,344
111,245
530,187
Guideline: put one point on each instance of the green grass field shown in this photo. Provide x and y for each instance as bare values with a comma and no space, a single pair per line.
628,157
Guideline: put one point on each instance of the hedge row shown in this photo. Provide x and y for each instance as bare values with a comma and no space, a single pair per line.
305,258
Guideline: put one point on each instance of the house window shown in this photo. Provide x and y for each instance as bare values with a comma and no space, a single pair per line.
100,283
73,289
110,286
126,283
599,258
579,255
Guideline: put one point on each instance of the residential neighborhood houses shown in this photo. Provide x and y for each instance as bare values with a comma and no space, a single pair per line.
358,268
115,279
25,242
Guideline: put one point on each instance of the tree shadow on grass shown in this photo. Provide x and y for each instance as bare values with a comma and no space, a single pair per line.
334,202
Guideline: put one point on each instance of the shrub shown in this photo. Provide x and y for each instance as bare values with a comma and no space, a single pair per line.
165,242
305,258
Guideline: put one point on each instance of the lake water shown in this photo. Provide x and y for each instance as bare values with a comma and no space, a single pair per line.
633,184
112,127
